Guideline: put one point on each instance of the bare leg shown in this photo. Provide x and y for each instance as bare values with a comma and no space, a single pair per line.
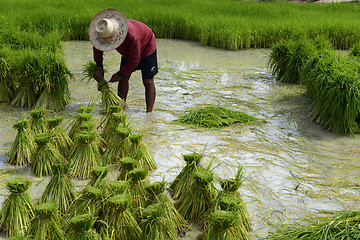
150,93
123,88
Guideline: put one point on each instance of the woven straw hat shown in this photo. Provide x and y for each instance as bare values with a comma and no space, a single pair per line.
108,29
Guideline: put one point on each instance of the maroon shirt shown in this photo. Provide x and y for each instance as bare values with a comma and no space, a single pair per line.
138,44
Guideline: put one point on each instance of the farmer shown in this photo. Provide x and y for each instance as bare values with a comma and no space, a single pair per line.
109,30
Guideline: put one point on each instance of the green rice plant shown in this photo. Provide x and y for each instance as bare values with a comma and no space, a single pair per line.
86,109
99,180
7,83
60,188
80,228
84,155
17,209
332,84
45,155
45,224
331,226
127,164
155,226
23,146
215,116
88,126
17,237
112,122
119,218
355,50
120,143
223,225
38,121
139,151
120,187
60,138
108,97
74,126
138,180
185,179
194,203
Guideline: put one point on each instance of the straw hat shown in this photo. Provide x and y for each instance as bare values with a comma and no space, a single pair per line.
108,29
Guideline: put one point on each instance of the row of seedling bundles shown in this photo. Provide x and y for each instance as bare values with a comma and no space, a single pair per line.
331,79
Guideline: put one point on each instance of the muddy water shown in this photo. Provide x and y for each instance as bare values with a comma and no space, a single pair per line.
292,167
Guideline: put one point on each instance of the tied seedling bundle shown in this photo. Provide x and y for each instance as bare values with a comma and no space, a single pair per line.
194,203
140,152
98,179
155,226
108,97
60,139
23,146
60,188
222,226
88,126
184,179
84,156
214,116
45,225
76,123
114,120
80,228
38,121
127,164
17,209
138,180
120,143
120,187
156,195
45,155
119,218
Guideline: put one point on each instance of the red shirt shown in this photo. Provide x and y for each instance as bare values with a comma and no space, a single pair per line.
138,44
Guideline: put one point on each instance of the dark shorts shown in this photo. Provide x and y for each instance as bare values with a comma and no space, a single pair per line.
148,66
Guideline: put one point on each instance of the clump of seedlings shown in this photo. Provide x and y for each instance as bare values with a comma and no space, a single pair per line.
215,116
108,96
74,126
60,188
120,219
113,121
120,143
60,138
84,155
17,209
45,155
7,84
80,228
120,187
98,178
46,225
140,152
20,151
138,180
127,164
38,121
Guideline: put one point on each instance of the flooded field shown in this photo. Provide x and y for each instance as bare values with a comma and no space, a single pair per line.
293,167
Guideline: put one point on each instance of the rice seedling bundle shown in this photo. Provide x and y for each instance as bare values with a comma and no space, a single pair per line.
222,226
127,164
155,226
38,121
20,151
85,109
334,225
332,83
138,180
45,155
120,187
140,152
60,188
121,221
113,121
17,209
60,138
45,224
80,228
194,203
119,144
215,116
99,180
184,179
7,84
76,123
108,96
84,156
155,194
88,126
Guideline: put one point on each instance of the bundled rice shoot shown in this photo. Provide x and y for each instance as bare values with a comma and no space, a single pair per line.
84,156
20,151
60,138
45,155
76,123
184,179
122,223
194,202
120,187
60,188
138,181
127,164
38,121
140,152
99,180
80,228
113,121
88,126
120,143
45,225
215,116
17,209
108,97
7,84
155,226
223,226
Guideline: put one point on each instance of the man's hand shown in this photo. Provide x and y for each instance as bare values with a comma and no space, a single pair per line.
99,74
115,78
